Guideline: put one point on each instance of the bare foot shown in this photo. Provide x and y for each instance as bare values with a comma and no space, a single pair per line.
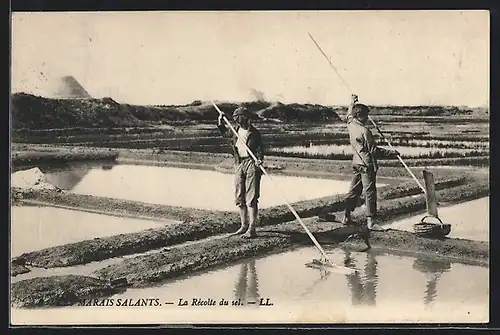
249,234
238,232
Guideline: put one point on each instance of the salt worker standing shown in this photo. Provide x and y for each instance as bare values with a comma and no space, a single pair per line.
364,163
247,172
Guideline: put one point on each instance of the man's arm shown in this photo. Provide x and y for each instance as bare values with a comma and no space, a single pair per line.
374,149
354,99
222,128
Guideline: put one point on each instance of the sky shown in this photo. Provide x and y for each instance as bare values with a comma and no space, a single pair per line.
386,57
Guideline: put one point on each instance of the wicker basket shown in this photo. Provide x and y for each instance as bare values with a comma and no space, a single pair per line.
436,230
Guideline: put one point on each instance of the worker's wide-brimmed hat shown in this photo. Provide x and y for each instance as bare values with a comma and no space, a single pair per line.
241,111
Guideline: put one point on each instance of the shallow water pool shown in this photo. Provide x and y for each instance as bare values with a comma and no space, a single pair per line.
34,228
383,282
280,288
203,189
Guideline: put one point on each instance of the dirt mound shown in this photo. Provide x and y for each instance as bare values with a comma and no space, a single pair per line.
298,112
32,179
33,112
70,88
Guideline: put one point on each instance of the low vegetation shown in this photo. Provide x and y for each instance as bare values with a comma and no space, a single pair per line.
33,112
405,111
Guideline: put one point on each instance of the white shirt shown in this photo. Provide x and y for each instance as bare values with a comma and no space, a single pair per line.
243,134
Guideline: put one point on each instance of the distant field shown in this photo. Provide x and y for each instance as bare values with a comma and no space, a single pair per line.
293,130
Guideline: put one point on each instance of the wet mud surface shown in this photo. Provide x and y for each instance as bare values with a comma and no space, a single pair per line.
58,291
168,263
26,156
172,262
150,269
17,269
467,251
115,206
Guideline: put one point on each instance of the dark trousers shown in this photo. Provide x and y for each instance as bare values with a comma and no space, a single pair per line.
363,180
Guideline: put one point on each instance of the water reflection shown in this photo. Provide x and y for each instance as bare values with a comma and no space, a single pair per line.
363,286
432,269
68,176
247,287
140,183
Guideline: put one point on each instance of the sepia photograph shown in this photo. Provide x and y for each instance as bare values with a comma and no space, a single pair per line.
249,167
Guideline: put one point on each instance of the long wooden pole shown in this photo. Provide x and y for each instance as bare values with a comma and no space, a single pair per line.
399,157
311,236
347,86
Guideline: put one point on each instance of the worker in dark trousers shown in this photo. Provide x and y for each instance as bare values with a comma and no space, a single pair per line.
364,163
247,171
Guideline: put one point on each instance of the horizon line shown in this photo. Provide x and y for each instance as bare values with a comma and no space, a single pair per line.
250,101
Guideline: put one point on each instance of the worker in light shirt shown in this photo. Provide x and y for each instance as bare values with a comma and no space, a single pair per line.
364,163
247,171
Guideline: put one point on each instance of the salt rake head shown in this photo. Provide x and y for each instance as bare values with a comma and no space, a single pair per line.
327,265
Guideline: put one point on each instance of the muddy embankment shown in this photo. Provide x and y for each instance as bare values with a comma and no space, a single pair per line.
17,269
179,260
28,156
31,155
306,167
59,291
168,263
200,224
